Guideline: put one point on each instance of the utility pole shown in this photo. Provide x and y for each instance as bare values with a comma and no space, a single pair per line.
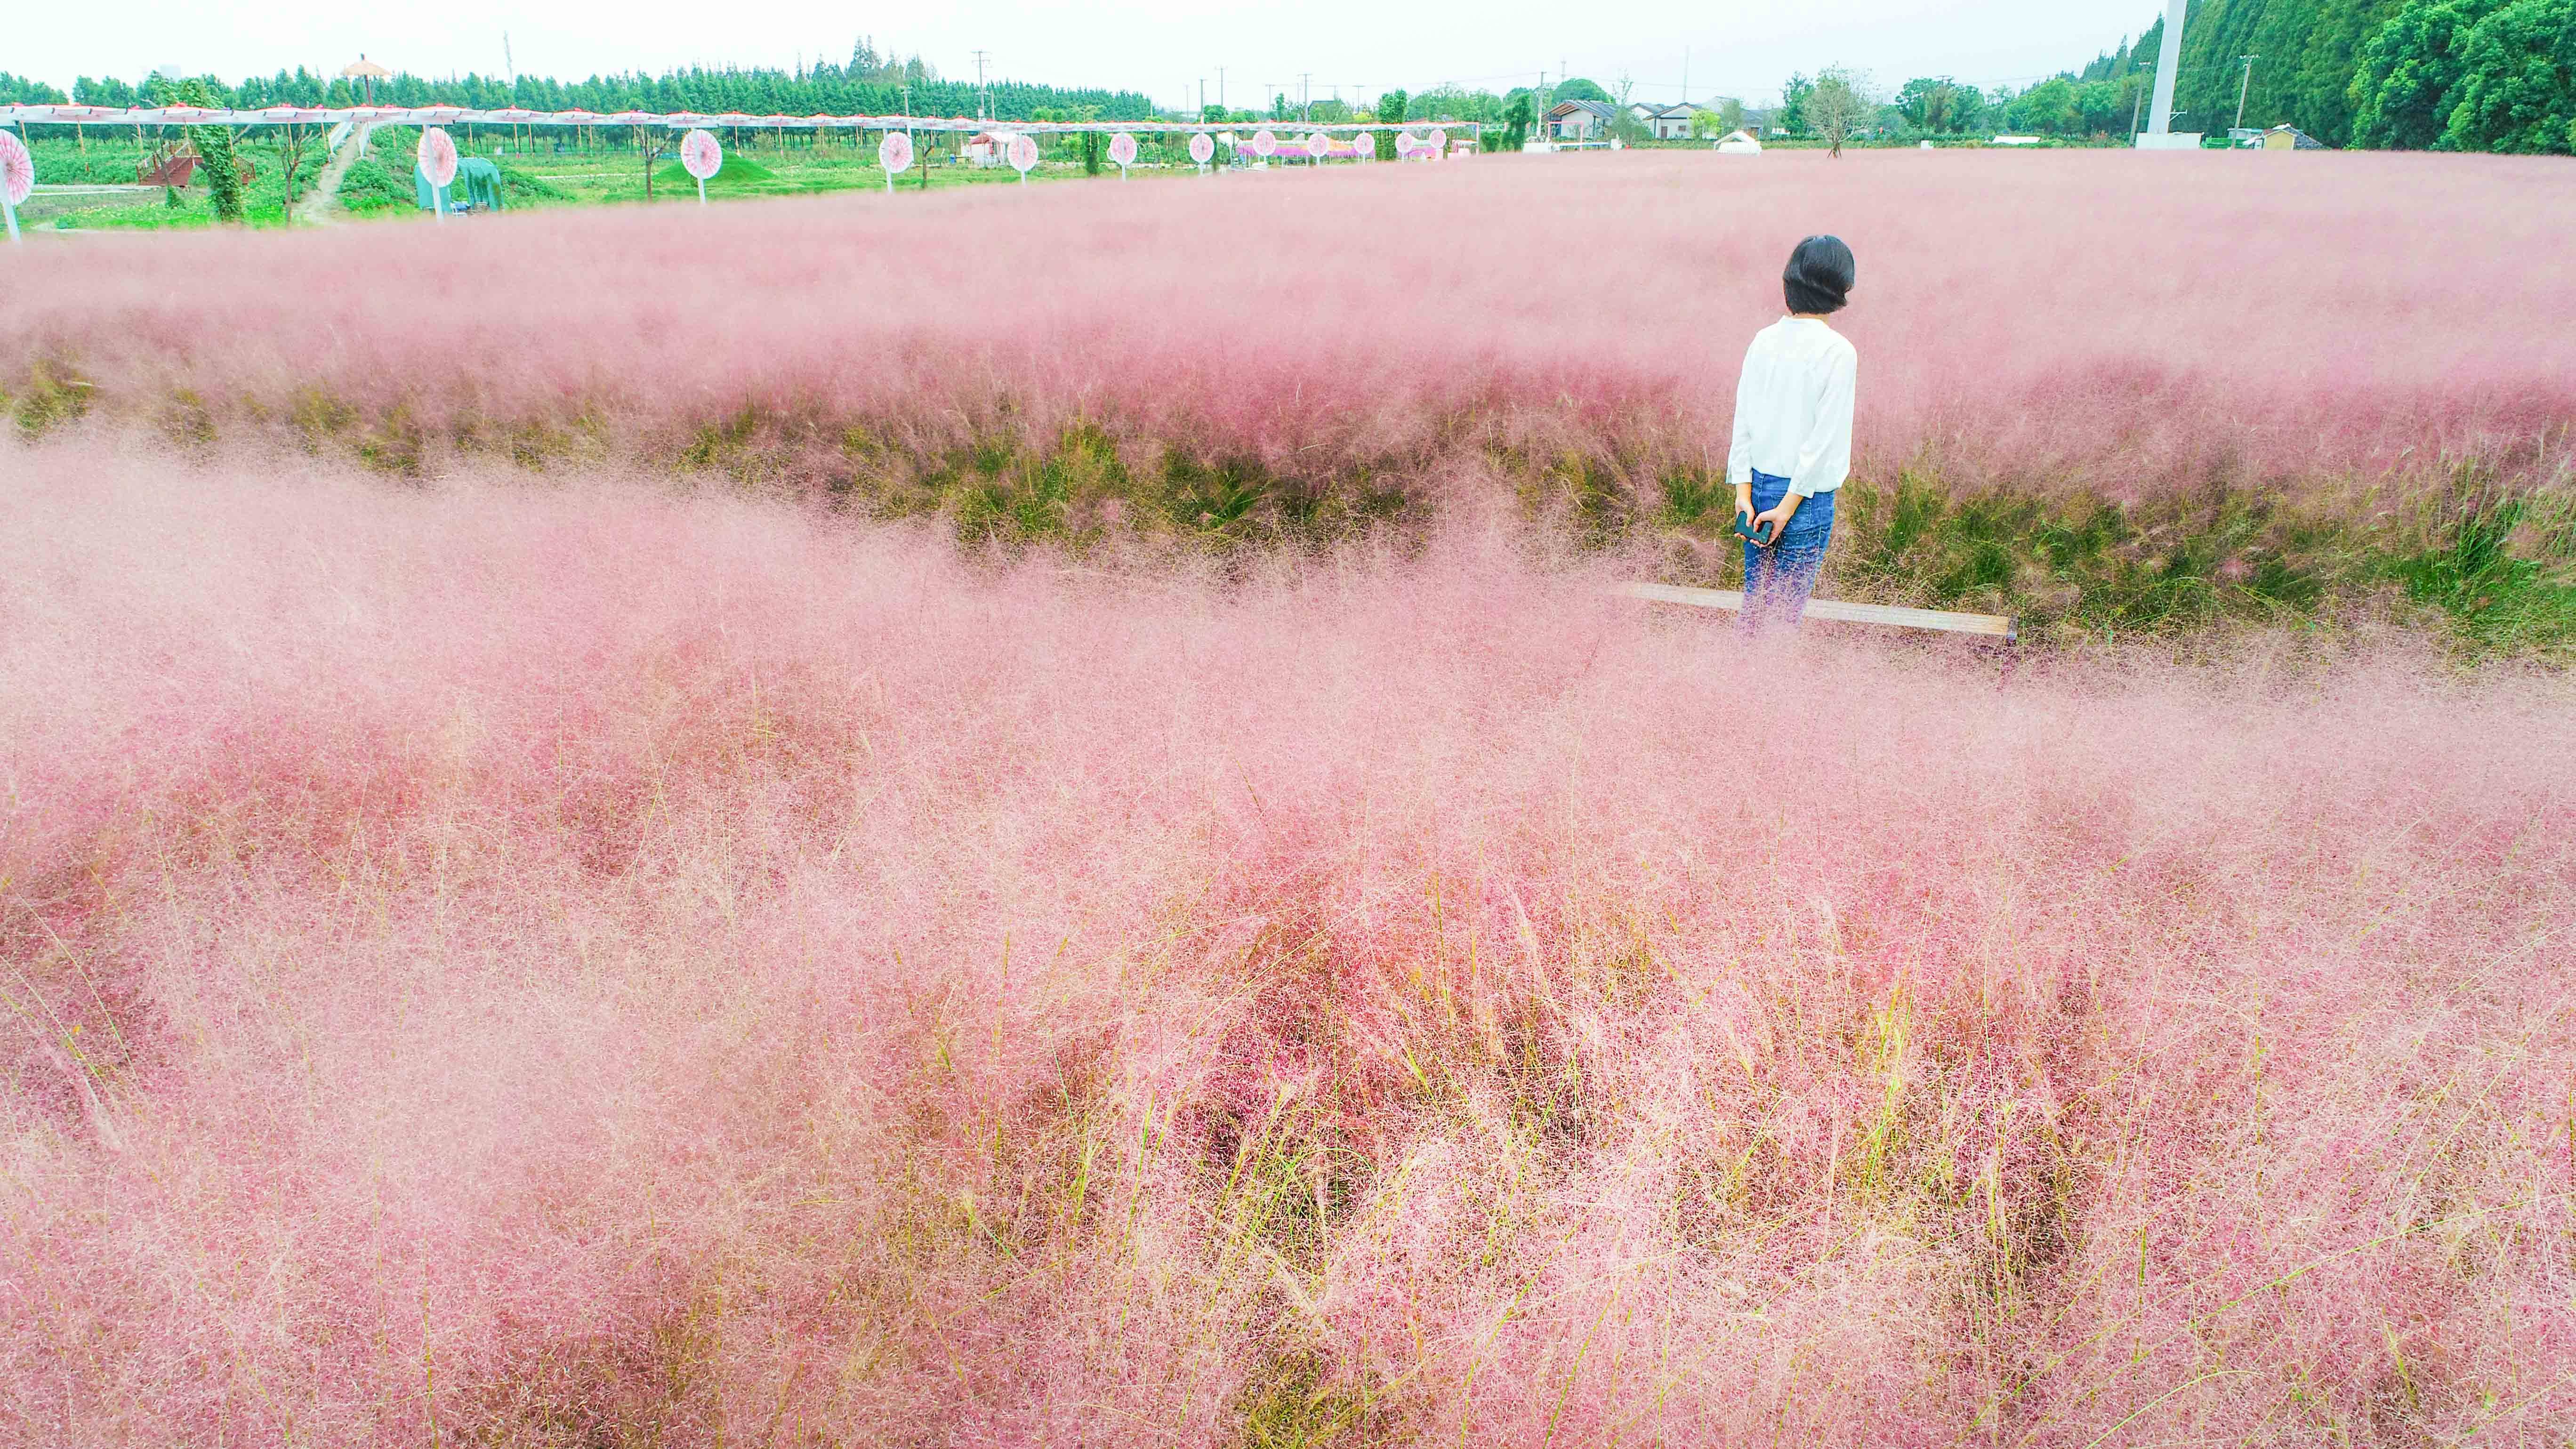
1220,88
2244,85
1202,98
2136,103
1306,94
983,93
1685,75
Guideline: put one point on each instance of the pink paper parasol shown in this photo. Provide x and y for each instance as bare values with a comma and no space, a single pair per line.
17,169
437,157
700,154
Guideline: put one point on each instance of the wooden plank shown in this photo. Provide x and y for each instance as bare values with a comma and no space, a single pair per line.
1996,626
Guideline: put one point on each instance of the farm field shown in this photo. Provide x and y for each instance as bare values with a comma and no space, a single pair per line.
1024,819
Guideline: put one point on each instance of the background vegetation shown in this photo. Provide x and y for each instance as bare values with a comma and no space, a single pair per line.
869,85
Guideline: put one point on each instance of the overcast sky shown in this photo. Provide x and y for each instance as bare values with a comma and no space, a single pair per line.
1742,48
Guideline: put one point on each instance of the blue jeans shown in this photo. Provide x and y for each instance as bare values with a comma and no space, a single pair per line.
1778,577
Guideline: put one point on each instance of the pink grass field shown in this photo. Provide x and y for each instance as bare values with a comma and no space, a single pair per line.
2115,321
498,965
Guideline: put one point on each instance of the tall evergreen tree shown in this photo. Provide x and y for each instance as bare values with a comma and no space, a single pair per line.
2306,54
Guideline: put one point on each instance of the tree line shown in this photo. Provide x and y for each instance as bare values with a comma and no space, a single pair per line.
2462,75
870,85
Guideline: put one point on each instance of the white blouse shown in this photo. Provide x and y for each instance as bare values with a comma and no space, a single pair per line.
1793,407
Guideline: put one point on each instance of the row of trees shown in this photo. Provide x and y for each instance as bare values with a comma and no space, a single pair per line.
19,90
870,85
2472,75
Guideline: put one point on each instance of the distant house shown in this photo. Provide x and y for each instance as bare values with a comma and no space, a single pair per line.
2290,138
1580,120
1673,123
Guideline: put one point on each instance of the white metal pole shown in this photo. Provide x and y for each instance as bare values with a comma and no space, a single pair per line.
11,213
2168,64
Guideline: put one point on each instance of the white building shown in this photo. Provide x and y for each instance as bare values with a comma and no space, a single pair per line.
1580,120
1679,122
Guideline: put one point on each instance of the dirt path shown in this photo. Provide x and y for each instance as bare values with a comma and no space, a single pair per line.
316,207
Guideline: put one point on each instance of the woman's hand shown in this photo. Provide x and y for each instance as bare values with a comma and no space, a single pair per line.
1778,517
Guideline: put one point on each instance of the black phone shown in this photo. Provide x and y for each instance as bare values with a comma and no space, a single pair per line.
1745,530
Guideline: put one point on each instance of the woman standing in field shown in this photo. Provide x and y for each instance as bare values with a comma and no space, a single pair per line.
1793,428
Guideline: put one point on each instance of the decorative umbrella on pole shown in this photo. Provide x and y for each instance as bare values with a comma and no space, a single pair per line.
437,158
702,156
17,178
367,70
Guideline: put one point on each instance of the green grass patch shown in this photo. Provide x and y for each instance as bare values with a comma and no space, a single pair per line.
737,170
369,186
2502,572
2489,568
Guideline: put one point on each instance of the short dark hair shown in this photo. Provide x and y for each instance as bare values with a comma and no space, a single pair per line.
1820,275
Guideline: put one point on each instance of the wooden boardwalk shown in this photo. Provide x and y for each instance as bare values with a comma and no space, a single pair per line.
1995,626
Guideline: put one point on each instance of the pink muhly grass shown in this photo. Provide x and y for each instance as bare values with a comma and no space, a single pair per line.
2126,323
559,966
